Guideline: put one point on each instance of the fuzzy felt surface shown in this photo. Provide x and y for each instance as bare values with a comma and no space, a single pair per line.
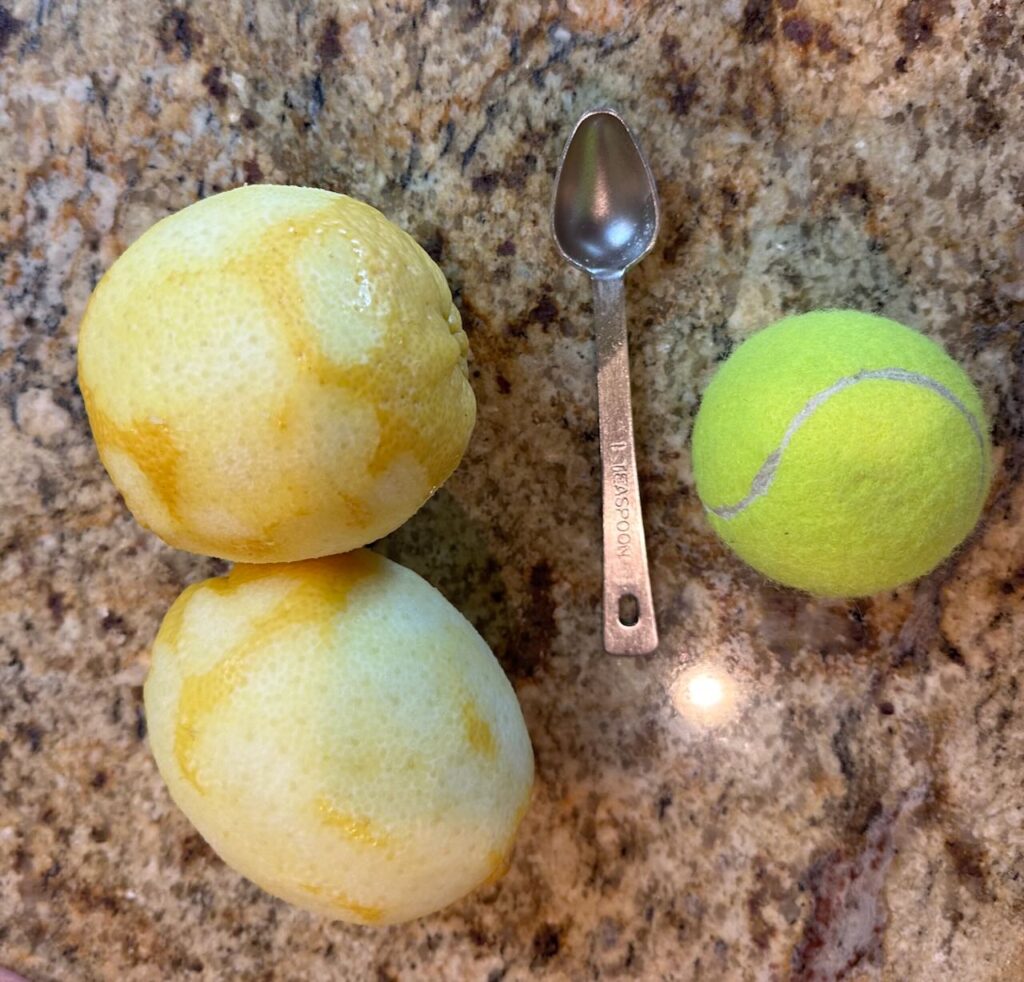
841,453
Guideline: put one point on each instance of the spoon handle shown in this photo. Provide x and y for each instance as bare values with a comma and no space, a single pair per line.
629,624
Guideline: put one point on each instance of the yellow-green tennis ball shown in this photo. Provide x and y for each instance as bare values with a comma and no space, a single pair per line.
339,734
841,453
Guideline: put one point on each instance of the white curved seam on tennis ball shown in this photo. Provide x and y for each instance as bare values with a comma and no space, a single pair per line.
766,475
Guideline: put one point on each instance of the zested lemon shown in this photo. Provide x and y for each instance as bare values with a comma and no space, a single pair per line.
274,374
341,735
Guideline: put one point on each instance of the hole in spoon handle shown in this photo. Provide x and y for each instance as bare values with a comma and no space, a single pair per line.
629,610
629,624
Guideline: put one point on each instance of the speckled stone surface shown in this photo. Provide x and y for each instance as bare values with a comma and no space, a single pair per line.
854,808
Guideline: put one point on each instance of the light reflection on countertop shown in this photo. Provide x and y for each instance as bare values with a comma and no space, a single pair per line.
706,695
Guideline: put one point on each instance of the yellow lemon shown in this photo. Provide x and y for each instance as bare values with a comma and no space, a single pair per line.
275,373
340,735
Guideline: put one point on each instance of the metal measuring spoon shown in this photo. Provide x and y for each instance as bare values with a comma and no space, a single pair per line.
604,215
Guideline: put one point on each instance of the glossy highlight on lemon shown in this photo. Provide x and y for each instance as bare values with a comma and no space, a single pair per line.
340,735
275,373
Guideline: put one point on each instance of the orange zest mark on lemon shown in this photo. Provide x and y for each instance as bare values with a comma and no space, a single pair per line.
355,828
478,732
342,902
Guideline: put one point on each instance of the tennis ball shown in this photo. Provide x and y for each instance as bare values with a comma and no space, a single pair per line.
275,373
340,735
841,453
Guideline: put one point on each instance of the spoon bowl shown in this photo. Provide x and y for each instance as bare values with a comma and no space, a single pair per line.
605,209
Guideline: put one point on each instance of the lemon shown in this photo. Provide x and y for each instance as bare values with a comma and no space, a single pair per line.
340,735
274,374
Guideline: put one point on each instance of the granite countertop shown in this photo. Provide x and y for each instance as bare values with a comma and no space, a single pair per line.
853,808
